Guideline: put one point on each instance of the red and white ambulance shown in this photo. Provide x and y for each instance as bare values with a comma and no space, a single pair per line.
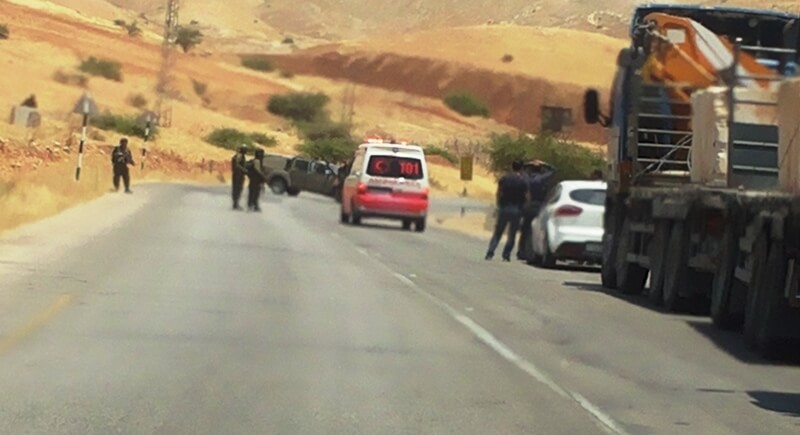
388,179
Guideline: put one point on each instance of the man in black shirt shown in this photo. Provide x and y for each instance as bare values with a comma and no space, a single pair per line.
121,158
239,170
512,192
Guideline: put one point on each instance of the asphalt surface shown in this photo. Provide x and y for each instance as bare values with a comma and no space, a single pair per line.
164,312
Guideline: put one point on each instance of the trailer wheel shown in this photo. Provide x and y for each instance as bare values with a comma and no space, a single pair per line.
631,277
676,266
658,250
755,312
725,284
768,332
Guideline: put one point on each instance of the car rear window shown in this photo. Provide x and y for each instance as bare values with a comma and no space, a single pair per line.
395,167
589,196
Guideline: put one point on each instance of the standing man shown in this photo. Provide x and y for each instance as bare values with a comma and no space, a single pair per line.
255,172
512,192
121,158
539,175
239,171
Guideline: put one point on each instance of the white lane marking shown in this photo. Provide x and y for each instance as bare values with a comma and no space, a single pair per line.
405,280
606,422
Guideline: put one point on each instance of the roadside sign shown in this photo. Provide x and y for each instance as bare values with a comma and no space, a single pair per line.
85,105
466,168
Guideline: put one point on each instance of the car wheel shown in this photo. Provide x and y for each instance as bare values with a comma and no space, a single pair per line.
548,259
277,186
406,224
419,226
355,218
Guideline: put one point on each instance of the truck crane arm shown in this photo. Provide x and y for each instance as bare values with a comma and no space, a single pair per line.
684,52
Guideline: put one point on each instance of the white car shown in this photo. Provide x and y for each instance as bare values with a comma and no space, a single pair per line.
569,226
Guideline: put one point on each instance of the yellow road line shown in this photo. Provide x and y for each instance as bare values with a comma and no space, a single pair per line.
15,337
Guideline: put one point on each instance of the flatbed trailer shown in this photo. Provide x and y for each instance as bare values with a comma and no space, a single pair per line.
729,247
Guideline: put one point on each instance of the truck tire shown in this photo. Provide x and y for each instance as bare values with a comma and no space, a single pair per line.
755,311
608,273
773,318
419,225
725,284
631,277
676,266
278,185
658,250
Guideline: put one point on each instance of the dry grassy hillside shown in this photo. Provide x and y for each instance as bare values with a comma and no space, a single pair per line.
335,20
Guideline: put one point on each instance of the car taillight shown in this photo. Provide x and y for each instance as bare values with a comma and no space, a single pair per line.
568,210
361,189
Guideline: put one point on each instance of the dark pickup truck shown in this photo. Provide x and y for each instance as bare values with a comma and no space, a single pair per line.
292,175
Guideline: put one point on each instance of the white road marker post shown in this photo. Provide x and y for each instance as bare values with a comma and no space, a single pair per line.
84,125
146,139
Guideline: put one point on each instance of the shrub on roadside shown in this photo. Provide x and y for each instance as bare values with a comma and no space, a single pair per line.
257,63
466,104
105,68
4,32
334,150
299,106
122,124
573,161
232,139
442,152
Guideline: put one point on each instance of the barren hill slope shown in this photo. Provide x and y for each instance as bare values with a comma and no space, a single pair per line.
343,19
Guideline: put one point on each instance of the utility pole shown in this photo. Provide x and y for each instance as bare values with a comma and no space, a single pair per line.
163,107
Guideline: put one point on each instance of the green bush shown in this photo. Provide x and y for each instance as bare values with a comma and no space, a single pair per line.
287,74
443,152
187,38
232,139
105,68
467,104
123,124
573,161
324,129
4,32
257,63
299,106
263,139
334,150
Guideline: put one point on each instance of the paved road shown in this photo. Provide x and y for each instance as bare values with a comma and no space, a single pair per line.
166,313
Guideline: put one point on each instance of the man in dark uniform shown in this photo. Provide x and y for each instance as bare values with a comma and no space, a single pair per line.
539,175
121,158
255,172
512,192
239,171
